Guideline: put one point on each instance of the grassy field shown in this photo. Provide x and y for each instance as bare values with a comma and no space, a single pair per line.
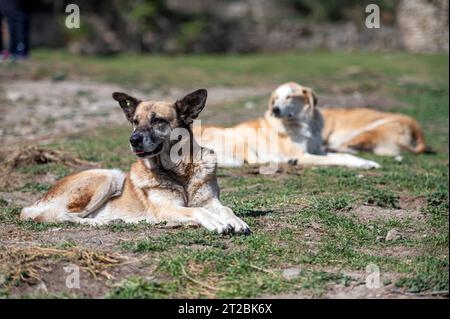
327,224
156,71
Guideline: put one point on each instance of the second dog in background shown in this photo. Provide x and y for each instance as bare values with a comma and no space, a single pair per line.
292,123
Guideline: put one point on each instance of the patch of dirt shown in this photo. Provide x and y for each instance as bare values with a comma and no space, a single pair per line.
97,251
349,92
358,292
412,202
17,198
9,178
91,286
85,236
367,214
409,207
362,292
54,282
351,97
402,251
356,99
40,269
357,289
287,296
22,263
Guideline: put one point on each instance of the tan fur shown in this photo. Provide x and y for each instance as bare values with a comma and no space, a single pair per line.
156,189
371,130
297,135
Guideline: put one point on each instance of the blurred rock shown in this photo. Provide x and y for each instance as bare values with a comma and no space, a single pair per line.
291,273
393,235
380,238
424,25
41,287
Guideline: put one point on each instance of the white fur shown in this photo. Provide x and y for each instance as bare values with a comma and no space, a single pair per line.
283,91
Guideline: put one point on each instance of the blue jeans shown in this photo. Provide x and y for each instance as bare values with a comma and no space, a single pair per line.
1,32
18,24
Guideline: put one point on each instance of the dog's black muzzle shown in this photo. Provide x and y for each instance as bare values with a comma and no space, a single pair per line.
144,146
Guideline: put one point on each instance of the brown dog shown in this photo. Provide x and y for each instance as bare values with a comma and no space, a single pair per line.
160,186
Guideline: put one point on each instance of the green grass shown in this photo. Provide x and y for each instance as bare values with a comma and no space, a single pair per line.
428,275
382,198
153,71
138,288
230,267
304,220
37,169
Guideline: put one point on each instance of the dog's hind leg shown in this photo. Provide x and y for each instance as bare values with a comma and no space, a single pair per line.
366,140
77,196
387,149
99,189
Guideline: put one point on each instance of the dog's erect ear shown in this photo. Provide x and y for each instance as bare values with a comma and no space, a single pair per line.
191,105
310,96
127,103
272,97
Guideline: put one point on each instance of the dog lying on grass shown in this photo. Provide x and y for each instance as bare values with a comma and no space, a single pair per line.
292,123
158,187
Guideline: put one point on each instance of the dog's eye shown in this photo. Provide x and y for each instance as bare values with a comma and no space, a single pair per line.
158,120
135,122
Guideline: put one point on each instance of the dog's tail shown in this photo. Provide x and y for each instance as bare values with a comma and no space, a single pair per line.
418,139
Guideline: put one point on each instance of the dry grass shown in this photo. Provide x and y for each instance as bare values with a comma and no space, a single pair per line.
35,155
26,264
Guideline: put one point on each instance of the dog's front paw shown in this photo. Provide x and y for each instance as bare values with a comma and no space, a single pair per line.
370,164
212,222
239,226
224,221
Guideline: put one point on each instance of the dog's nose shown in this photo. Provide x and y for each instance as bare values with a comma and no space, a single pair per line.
136,139
276,110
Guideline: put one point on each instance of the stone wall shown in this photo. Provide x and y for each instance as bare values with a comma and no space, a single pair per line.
242,26
424,25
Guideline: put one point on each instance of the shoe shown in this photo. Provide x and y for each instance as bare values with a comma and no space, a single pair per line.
4,56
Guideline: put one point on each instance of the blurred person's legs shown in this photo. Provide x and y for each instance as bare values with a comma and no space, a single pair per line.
4,52
1,36
18,25
1,31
